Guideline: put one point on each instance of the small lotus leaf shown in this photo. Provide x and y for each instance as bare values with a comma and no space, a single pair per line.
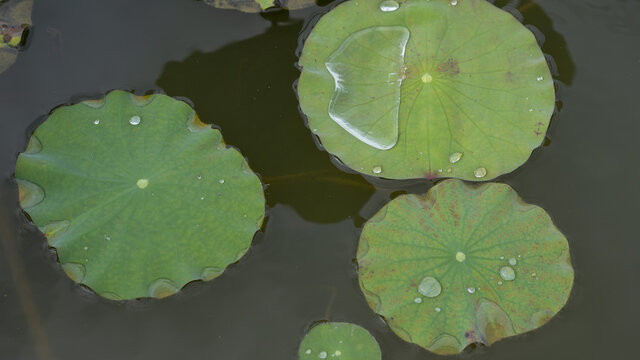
15,18
253,6
137,195
463,264
342,341
419,88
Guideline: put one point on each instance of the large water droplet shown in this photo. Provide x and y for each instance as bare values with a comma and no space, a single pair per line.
376,78
480,172
135,120
430,287
455,157
454,2
460,256
322,355
507,273
389,5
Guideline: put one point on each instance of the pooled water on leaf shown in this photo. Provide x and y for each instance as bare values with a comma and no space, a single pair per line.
430,287
368,69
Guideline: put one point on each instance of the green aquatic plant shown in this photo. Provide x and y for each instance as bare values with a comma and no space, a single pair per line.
137,195
252,6
425,88
463,264
342,341
15,18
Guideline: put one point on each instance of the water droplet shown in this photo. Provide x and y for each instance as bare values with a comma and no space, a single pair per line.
460,256
426,78
513,261
86,248
501,257
337,353
539,78
377,169
96,121
471,289
507,273
417,300
429,287
389,5
530,110
53,231
201,197
107,237
499,282
455,157
308,351
437,309
210,273
142,183
480,172
322,355
221,181
135,120
199,177
534,274
454,2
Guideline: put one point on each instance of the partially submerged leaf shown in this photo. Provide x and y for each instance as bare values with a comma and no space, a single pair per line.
137,195
15,18
342,341
418,88
463,264
252,6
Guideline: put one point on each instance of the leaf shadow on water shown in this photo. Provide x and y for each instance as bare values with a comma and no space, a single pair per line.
246,89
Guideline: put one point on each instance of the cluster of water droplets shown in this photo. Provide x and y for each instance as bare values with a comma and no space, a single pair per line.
323,354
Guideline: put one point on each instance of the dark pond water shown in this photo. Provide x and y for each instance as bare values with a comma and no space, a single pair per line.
238,70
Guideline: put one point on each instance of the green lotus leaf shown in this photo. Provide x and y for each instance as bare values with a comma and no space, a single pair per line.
425,88
342,341
253,6
463,264
137,195
15,18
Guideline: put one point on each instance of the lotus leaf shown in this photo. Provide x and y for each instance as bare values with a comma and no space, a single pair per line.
137,195
419,88
252,6
342,341
15,17
463,264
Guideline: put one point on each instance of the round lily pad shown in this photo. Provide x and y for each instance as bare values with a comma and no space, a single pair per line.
425,89
253,6
137,195
342,341
15,18
463,264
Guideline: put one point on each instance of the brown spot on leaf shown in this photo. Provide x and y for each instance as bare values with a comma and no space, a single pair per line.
449,67
509,76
